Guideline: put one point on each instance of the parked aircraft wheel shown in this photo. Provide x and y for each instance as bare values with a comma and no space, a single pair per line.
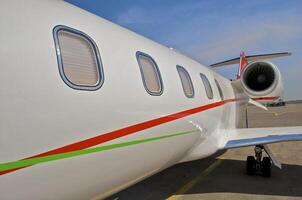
266,167
250,166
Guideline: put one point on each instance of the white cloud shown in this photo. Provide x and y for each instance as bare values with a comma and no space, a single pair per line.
134,15
247,36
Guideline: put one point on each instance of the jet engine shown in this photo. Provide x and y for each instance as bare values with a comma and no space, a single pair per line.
262,79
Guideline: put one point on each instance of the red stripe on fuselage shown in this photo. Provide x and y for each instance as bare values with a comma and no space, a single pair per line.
265,98
126,131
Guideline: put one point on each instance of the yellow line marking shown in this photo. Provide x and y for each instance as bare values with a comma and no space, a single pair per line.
187,187
282,113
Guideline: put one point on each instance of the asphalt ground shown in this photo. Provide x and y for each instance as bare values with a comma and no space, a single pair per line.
222,176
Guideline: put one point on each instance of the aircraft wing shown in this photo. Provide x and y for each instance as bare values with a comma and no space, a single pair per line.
260,136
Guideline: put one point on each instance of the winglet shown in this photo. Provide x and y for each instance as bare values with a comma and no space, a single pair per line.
259,105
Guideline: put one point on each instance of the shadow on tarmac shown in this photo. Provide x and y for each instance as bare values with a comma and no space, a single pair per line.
228,177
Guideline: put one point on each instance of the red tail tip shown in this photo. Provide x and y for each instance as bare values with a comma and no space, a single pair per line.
243,63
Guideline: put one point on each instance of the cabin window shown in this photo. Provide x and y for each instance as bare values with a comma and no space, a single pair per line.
78,58
219,90
150,74
186,82
207,86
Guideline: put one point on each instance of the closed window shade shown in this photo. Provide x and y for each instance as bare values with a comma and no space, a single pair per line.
150,74
78,58
219,90
207,86
186,82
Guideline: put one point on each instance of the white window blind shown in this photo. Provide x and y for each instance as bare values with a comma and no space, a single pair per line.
150,74
78,58
186,81
207,86
219,90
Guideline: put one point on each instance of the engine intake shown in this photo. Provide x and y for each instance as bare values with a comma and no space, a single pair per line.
261,78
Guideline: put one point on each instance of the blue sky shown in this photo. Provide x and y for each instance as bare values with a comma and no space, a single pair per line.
215,30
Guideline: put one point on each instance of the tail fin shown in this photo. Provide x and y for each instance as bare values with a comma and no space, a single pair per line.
242,64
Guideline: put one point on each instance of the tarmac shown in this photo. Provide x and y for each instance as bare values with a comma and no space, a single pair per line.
222,176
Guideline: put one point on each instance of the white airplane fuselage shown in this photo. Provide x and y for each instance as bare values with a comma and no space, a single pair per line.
40,113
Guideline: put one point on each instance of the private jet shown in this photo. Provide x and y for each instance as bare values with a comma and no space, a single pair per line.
89,108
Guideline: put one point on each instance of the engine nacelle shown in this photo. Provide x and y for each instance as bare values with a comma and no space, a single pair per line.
262,80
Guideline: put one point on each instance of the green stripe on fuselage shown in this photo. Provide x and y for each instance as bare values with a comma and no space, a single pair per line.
34,161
